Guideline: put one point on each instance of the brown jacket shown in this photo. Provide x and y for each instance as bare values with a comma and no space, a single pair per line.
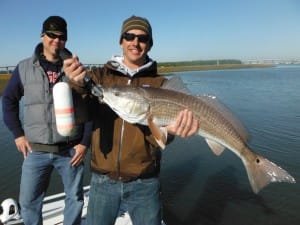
122,150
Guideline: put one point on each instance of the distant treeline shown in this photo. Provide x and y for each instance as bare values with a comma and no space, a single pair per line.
9,69
201,62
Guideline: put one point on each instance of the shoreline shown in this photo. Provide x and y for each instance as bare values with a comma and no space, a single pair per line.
171,69
3,81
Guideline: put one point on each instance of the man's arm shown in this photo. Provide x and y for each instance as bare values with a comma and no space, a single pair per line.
81,148
10,107
10,104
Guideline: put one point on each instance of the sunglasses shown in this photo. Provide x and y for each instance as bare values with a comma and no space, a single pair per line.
54,36
143,38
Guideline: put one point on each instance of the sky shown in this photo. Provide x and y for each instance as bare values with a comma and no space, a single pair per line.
182,30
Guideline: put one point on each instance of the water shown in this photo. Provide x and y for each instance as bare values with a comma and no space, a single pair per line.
197,186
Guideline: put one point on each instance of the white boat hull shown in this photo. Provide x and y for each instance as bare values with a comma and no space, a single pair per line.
53,208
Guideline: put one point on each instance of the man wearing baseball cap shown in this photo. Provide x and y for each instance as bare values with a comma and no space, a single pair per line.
43,148
55,25
125,160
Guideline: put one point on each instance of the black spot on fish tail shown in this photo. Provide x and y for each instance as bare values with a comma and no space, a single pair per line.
261,172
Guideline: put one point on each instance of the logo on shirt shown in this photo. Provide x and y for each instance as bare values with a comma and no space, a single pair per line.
52,76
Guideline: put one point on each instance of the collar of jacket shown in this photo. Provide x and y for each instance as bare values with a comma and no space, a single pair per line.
116,63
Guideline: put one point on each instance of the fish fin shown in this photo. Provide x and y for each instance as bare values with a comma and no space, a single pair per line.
176,84
261,172
158,134
215,147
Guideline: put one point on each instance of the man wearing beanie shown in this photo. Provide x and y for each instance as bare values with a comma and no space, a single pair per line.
125,160
43,148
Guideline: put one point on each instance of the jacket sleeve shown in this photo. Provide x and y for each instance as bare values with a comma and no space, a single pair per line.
11,104
86,108
87,133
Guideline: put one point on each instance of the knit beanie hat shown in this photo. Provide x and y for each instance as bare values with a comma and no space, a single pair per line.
139,23
55,24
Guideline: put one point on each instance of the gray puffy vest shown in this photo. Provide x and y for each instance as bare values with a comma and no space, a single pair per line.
39,117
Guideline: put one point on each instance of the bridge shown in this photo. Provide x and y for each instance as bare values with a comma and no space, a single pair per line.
10,69
272,61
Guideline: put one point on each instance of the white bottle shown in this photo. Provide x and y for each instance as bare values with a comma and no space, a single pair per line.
64,110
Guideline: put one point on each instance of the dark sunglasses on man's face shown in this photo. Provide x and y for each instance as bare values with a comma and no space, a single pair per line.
143,38
54,36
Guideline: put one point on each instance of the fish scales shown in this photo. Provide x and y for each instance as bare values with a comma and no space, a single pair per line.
165,106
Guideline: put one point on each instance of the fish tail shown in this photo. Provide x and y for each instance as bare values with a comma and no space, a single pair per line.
261,172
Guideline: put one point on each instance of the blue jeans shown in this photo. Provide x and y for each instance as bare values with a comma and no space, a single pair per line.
36,173
140,197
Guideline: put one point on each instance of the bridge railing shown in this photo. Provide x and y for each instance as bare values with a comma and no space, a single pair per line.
10,69
6,69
